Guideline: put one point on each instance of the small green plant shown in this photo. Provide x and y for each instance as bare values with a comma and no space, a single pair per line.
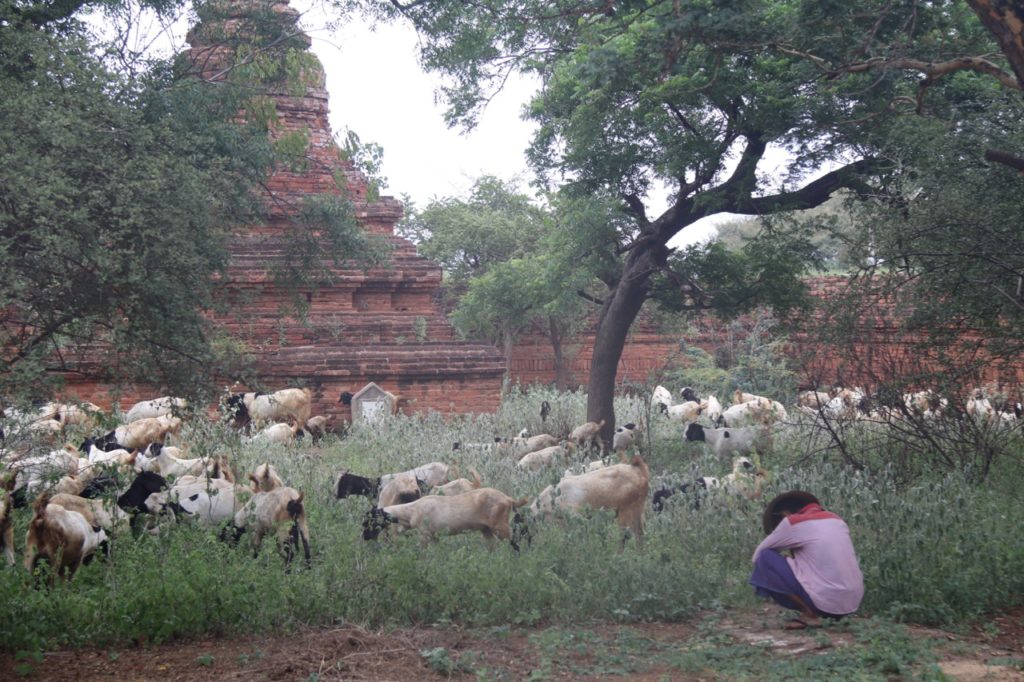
440,660
419,327
205,660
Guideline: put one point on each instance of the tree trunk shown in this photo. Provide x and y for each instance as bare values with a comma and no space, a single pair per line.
556,334
508,345
620,309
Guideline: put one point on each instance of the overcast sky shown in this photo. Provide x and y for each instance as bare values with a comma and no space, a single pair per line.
378,90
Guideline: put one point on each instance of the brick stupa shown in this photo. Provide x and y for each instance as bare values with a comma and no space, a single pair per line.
380,325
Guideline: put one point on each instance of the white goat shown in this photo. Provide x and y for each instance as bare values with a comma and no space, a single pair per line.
729,442
157,407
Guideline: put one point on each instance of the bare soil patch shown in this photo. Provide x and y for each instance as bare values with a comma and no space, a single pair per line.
405,655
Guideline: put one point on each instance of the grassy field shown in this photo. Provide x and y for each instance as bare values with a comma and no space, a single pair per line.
941,549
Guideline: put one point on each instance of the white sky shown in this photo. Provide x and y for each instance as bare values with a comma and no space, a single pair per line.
378,90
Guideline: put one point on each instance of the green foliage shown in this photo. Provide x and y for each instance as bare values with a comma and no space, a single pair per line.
700,97
120,185
747,354
468,236
505,258
368,158
116,197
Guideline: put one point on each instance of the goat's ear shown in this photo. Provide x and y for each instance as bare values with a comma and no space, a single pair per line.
254,479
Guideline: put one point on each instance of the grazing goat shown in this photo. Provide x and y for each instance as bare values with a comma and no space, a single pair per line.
535,461
698,488
32,474
813,400
434,473
585,434
459,485
265,478
624,438
158,407
689,395
621,487
279,433
94,511
78,414
133,500
278,511
288,404
400,489
524,446
62,537
317,427
209,500
728,442
745,479
711,408
684,412
140,434
661,396
484,509
353,484
749,413
545,410
163,460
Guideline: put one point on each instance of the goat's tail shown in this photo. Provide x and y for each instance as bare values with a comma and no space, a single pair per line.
477,481
521,502
39,506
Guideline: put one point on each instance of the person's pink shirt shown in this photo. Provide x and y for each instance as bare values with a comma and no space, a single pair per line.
823,561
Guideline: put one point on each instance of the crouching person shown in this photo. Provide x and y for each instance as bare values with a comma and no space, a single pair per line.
822,577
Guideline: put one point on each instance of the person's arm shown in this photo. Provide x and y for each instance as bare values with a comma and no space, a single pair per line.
782,537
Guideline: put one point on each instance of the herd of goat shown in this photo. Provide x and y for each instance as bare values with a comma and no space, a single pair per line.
69,488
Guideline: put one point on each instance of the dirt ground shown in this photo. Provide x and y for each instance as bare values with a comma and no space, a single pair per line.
352,653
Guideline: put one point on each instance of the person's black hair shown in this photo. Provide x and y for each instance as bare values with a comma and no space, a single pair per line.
792,502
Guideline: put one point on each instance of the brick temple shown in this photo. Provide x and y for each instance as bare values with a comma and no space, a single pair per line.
380,325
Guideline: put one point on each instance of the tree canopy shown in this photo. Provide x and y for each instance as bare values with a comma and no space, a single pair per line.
503,255
118,188
694,95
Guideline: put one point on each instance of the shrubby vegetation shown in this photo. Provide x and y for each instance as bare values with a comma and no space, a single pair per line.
938,548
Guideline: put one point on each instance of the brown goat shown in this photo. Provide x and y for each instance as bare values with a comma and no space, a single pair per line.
63,537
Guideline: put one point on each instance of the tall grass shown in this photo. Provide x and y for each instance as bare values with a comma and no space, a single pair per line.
936,550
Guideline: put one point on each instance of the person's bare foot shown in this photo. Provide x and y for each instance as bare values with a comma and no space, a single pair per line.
802,623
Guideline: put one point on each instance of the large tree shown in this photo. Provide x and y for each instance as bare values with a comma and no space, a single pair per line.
504,259
696,95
